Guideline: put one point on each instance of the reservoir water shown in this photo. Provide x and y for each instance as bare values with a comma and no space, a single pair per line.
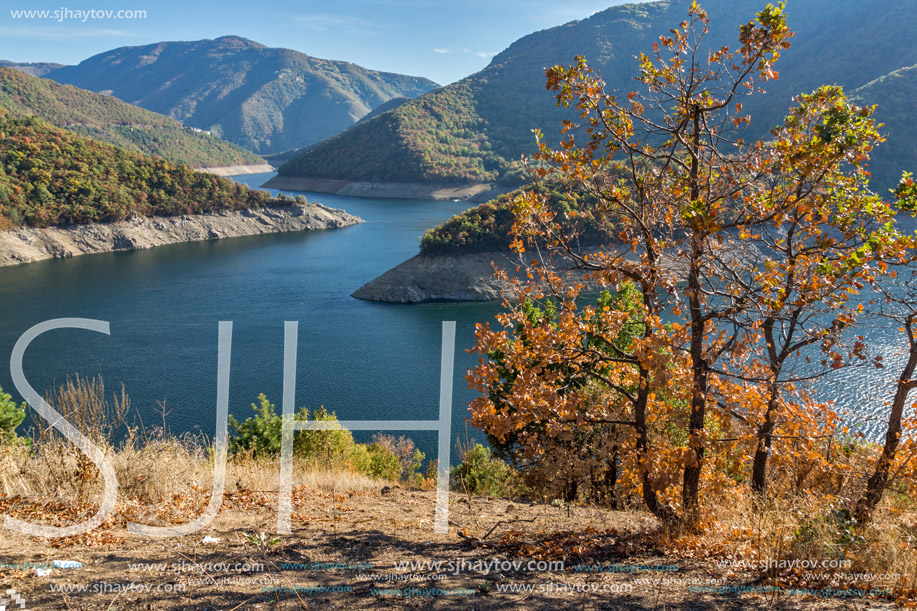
360,359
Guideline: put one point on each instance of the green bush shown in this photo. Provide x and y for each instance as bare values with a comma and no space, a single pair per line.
322,446
480,473
385,458
383,463
409,457
410,471
376,461
11,416
261,435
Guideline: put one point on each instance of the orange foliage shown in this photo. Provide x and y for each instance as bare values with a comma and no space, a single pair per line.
742,258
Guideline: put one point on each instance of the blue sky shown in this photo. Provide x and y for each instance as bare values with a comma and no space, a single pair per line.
441,40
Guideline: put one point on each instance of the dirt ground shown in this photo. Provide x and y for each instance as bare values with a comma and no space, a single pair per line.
354,551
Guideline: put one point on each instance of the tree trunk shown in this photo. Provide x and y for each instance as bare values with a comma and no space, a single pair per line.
763,450
665,514
611,479
571,487
877,483
690,492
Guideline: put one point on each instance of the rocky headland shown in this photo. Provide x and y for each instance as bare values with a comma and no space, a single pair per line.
238,170
464,277
400,190
27,244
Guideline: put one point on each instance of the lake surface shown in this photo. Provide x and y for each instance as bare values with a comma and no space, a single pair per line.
361,359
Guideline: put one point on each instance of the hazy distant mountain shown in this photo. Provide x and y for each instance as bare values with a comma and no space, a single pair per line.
268,100
35,69
472,131
106,118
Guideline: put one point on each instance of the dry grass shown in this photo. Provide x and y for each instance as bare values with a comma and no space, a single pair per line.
162,478
166,479
777,538
155,471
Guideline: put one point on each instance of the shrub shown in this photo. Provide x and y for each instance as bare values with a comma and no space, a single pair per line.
386,458
11,416
322,446
376,461
409,457
260,435
480,473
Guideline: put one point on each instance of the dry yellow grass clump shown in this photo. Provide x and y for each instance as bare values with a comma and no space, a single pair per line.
162,478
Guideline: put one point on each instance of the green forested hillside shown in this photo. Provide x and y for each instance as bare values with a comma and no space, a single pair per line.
487,227
385,107
474,130
267,100
436,138
109,119
52,176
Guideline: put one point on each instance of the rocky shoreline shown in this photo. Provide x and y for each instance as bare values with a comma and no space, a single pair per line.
28,244
468,277
237,170
400,190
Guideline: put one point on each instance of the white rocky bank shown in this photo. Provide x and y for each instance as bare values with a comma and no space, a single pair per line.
29,244
466,277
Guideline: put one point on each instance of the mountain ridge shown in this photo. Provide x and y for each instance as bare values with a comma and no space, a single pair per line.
474,131
32,68
256,96
110,120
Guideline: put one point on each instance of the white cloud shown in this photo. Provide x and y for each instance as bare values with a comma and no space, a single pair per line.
61,33
465,51
323,22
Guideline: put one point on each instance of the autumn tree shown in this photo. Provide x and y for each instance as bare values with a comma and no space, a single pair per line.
561,373
733,245
831,237
898,305
573,444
